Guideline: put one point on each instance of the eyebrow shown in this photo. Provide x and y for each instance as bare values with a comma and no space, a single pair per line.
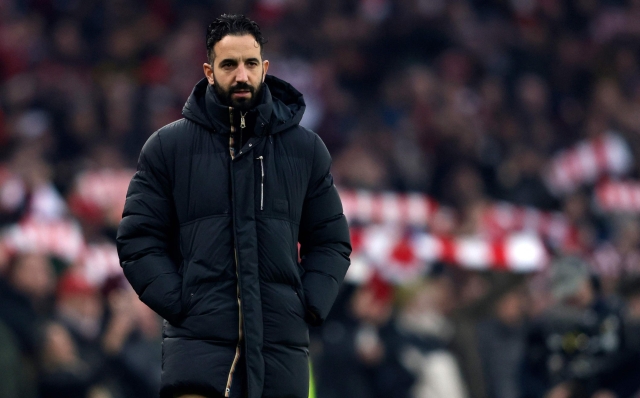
235,61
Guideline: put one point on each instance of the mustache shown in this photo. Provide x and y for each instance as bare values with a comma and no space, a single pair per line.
242,87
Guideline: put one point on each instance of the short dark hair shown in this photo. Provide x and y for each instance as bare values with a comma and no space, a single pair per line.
236,25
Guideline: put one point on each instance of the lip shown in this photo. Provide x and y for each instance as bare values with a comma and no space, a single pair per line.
242,93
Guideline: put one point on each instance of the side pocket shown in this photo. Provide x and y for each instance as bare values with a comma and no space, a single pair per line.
187,292
183,273
190,299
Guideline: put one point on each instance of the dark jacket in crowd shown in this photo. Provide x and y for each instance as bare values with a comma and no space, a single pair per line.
211,244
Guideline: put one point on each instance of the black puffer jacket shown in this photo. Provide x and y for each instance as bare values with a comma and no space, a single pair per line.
194,219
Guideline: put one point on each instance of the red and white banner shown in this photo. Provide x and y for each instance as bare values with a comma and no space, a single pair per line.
396,253
615,196
503,218
587,161
400,256
498,219
62,239
101,193
99,262
389,207
42,201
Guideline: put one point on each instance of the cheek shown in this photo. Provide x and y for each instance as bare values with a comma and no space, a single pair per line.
222,79
222,86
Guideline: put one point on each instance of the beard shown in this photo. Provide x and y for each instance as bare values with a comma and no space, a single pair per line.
242,104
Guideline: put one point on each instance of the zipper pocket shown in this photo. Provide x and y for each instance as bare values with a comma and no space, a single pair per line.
261,159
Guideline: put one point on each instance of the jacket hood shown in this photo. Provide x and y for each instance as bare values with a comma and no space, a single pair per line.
281,107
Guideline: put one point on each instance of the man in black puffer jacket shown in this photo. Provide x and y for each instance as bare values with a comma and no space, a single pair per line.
211,225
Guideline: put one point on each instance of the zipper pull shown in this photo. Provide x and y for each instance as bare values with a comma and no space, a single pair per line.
242,123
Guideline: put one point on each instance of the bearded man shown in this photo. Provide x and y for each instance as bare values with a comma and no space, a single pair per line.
211,226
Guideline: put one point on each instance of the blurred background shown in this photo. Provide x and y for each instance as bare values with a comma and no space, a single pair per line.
487,153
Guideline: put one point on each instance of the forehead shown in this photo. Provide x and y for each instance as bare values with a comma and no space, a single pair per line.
237,47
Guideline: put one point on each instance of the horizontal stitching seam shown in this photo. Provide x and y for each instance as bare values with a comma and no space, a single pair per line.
204,218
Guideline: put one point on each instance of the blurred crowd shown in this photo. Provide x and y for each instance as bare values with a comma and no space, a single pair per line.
466,101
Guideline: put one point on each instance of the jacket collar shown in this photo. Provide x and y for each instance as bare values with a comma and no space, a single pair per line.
280,107
219,113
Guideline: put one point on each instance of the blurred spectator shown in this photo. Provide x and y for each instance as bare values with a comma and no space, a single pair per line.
33,275
13,380
476,296
629,290
27,289
27,283
619,258
64,373
423,306
386,354
130,341
79,312
501,342
576,348
28,190
358,354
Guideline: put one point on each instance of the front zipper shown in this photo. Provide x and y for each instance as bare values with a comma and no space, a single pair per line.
227,390
232,151
261,159
236,357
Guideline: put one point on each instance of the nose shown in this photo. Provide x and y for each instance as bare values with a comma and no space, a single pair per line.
241,75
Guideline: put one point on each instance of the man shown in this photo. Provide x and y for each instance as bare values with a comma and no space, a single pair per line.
210,230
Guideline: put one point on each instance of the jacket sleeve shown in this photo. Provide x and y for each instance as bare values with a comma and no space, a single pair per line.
324,238
146,232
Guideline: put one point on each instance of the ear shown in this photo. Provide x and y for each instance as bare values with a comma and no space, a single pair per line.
265,68
208,72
